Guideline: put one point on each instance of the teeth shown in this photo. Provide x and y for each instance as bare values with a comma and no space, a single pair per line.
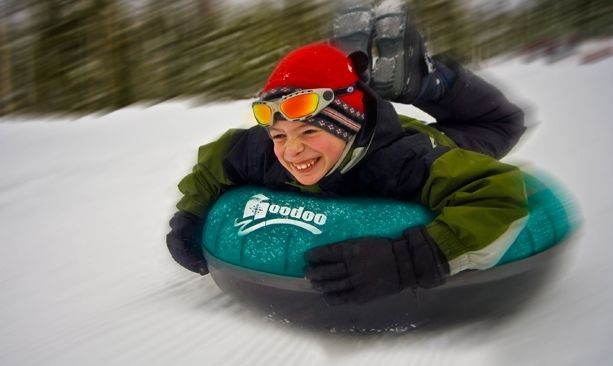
305,165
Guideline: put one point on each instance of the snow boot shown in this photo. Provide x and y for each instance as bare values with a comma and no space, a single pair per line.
352,28
402,57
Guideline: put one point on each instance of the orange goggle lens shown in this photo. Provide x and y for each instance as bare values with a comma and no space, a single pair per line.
299,106
263,113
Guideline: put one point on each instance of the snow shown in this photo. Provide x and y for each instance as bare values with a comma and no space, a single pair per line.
86,278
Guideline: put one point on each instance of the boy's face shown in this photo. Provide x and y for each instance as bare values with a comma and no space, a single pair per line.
306,151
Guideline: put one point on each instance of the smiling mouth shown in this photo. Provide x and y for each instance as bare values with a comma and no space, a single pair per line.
305,165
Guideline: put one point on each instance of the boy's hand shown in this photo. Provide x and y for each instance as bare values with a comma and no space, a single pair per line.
184,244
364,269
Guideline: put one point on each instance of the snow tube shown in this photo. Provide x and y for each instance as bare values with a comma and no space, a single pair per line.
259,235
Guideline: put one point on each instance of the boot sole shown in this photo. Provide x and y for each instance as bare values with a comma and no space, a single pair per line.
352,27
396,70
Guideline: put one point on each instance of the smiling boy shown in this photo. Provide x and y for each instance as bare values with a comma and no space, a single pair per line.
325,131
308,153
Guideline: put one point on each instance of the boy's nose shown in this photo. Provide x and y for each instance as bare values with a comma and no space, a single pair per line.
293,147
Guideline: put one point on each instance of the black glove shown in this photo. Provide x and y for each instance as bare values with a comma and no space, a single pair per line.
364,269
183,242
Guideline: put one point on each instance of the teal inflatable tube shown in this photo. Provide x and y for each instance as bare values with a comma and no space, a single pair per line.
263,234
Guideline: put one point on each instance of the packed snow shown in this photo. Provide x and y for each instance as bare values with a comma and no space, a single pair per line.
86,278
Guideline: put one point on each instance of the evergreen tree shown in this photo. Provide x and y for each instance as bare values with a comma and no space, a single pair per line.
88,55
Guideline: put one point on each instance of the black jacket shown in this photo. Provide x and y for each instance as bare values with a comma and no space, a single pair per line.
481,202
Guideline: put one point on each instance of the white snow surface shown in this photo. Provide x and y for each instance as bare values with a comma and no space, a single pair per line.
86,279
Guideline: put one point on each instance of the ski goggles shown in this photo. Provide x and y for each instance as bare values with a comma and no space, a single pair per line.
297,106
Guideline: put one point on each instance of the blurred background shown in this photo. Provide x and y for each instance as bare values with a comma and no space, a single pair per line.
81,56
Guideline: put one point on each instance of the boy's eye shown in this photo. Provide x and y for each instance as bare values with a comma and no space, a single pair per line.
311,131
277,137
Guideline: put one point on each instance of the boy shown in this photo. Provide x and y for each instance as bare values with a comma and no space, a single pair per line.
326,131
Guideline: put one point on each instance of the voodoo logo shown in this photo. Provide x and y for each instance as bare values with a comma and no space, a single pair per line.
260,212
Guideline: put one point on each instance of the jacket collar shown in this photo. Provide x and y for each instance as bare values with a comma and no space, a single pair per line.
381,127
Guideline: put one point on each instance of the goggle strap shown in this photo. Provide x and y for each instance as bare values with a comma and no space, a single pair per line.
346,90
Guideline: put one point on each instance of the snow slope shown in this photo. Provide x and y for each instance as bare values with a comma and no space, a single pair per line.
85,278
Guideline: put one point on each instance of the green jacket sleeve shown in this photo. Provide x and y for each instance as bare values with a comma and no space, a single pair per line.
481,205
207,180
